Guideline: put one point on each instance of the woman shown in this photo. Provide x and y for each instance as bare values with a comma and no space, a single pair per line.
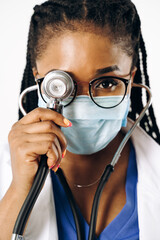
88,40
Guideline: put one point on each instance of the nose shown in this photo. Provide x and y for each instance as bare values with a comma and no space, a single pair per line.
82,88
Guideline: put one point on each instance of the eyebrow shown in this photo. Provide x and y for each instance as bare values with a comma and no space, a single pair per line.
98,71
107,69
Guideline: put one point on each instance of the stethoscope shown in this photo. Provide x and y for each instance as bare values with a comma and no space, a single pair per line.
57,86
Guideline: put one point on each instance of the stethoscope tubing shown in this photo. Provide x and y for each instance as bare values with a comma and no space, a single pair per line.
32,196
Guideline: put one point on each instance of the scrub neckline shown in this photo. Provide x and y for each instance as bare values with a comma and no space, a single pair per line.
114,228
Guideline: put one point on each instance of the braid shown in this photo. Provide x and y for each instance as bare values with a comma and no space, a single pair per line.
148,122
119,21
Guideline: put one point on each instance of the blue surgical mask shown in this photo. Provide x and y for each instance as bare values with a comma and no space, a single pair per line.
93,128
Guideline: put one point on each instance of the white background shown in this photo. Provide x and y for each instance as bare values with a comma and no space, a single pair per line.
14,23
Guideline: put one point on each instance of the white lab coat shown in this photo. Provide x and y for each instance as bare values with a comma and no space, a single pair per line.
42,223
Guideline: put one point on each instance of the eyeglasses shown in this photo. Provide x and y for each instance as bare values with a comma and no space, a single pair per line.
105,92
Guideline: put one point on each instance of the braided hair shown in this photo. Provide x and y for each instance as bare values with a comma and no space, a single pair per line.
120,22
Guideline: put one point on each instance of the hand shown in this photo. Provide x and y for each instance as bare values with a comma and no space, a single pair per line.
34,135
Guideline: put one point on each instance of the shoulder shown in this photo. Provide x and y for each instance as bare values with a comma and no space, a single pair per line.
147,157
5,168
148,187
142,141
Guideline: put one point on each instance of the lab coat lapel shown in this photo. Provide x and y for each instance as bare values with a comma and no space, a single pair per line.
42,222
148,186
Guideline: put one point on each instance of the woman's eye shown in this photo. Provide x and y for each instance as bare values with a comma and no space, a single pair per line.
106,83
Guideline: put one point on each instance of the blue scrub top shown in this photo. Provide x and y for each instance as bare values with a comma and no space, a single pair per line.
123,227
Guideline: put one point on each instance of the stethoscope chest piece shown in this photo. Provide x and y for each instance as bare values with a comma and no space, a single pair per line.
57,84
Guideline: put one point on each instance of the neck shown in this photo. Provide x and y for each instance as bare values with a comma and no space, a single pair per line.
86,169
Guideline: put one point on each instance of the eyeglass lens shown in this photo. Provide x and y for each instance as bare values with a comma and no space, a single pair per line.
106,92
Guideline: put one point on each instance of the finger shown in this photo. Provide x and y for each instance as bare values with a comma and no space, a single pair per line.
52,165
53,161
42,114
43,131
56,147
55,167
58,150
31,151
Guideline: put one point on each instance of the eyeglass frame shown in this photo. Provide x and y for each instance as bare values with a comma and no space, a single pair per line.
125,81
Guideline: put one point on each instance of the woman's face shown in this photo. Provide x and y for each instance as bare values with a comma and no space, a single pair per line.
84,56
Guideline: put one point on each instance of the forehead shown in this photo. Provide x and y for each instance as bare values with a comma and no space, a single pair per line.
82,52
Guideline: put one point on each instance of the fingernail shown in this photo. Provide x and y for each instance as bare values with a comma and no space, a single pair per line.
57,168
51,166
64,153
67,122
